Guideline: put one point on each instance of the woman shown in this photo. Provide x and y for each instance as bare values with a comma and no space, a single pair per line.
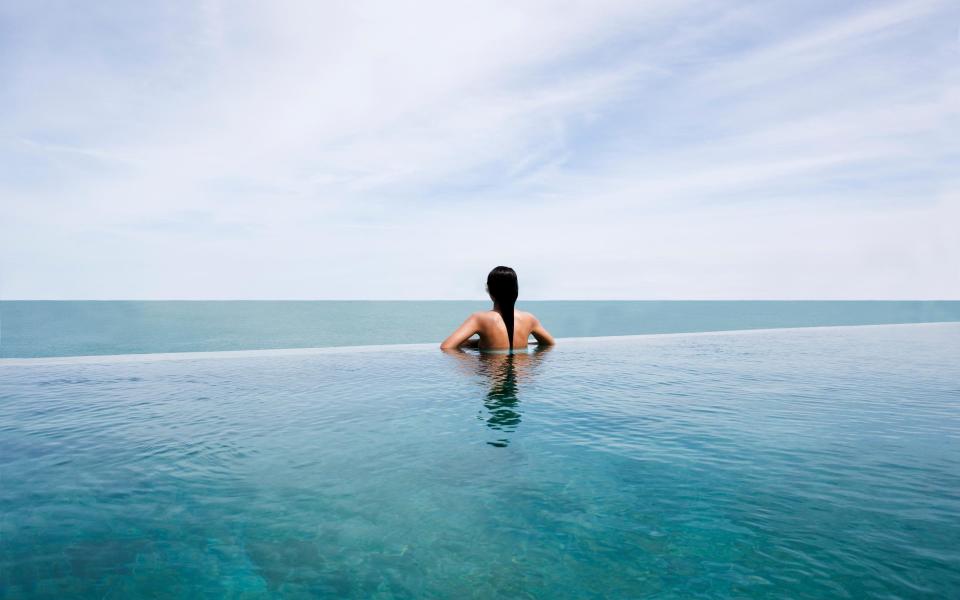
503,327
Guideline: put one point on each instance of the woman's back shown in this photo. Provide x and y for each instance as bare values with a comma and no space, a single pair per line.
489,325
493,331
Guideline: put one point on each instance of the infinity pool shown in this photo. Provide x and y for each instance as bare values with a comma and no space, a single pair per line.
784,464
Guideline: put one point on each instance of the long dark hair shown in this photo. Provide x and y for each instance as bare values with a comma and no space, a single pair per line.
502,286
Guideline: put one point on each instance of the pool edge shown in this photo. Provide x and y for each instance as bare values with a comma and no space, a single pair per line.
279,352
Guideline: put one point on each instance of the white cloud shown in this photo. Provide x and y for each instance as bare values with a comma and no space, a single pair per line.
311,150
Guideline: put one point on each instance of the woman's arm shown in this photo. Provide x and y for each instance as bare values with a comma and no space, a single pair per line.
541,334
462,334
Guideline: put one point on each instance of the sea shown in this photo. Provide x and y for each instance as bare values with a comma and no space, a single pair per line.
79,328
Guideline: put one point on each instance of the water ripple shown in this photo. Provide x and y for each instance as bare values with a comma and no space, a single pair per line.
777,464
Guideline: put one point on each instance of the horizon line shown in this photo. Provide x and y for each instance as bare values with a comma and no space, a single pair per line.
479,300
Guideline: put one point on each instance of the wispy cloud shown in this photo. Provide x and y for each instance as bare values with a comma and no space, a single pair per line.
608,149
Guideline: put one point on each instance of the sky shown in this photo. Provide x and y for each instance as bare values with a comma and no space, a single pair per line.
388,150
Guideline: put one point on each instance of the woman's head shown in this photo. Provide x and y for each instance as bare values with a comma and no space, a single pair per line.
502,285
503,290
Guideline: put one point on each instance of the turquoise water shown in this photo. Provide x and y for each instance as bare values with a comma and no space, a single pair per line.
33,329
769,464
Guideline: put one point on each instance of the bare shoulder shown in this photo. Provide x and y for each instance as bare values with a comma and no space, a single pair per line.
482,316
527,316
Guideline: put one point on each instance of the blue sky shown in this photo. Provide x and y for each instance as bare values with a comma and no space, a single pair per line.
649,150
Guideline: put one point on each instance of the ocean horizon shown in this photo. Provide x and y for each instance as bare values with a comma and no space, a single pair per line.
57,328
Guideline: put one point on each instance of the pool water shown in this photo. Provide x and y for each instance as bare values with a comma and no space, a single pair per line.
767,464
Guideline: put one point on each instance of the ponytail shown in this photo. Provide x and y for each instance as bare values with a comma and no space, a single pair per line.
506,311
502,285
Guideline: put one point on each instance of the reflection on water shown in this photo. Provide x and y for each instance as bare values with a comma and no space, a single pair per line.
502,373
501,401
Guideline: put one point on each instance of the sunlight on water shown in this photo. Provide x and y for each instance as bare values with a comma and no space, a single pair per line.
800,464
